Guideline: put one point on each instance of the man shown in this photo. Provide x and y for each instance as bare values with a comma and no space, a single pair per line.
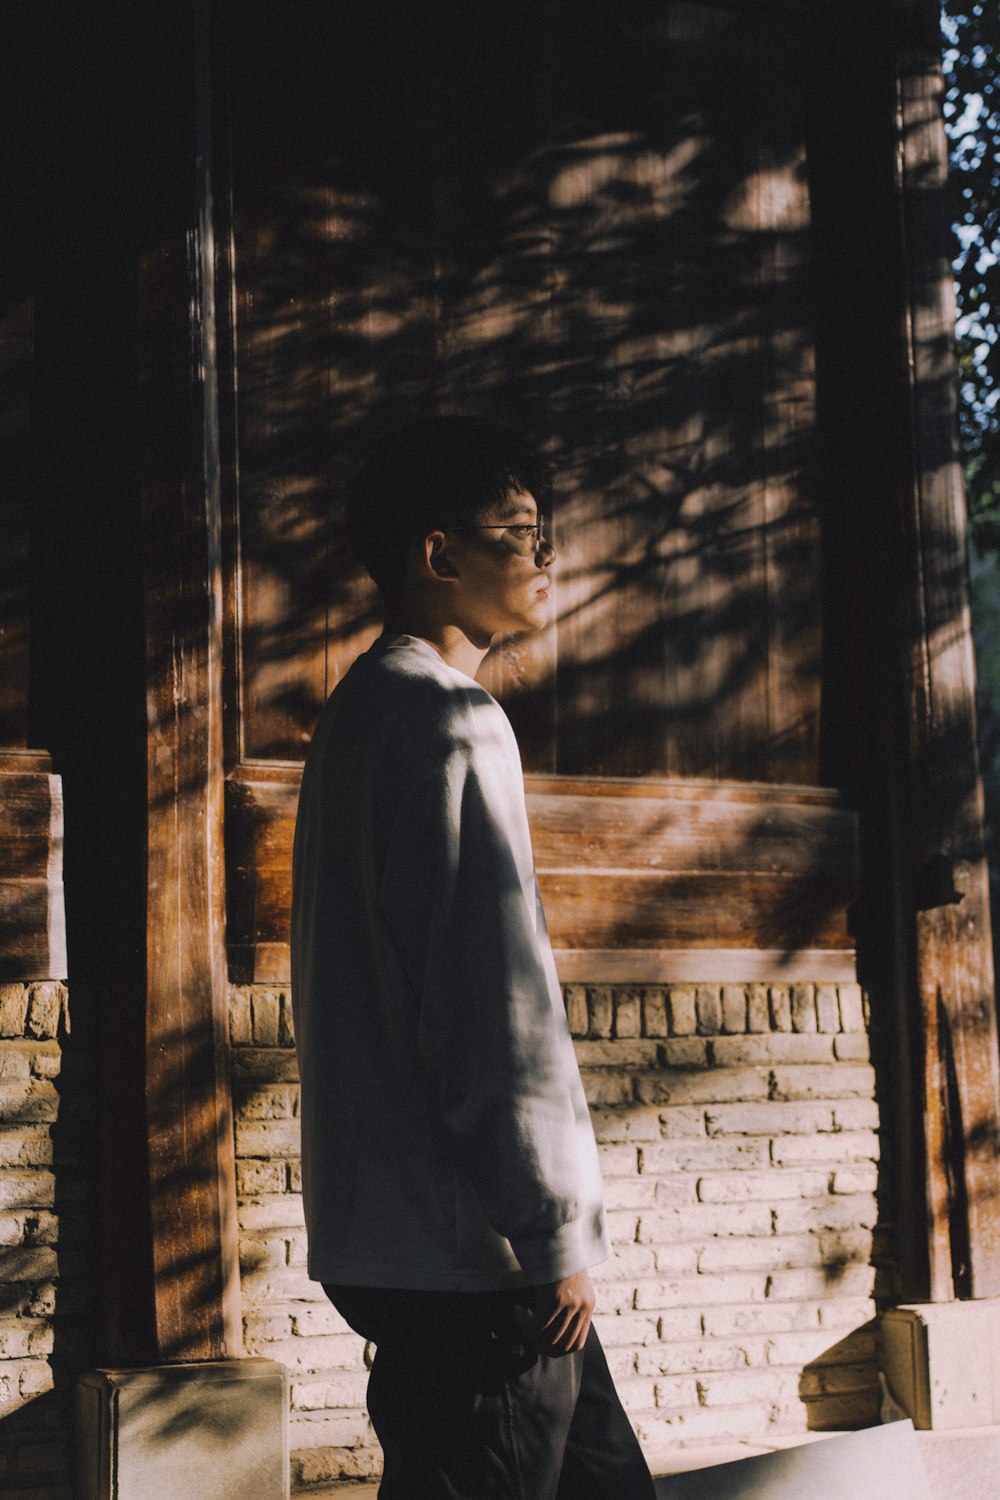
452,1191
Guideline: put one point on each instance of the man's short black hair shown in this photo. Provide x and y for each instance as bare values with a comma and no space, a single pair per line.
435,472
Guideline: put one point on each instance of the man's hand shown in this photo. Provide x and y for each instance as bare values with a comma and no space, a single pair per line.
560,1320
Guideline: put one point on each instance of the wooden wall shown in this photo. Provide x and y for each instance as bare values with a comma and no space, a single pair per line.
598,229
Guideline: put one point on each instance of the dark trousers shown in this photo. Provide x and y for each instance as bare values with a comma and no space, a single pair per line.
465,1409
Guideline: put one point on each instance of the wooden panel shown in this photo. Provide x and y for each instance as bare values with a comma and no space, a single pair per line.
195,1272
649,867
945,846
616,261
32,906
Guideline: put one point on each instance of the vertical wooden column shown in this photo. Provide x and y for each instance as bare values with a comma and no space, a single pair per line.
196,1287
951,936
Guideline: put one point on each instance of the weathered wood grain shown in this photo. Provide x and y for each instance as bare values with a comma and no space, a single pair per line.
637,866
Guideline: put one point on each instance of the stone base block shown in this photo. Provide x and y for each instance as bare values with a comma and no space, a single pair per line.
213,1431
942,1362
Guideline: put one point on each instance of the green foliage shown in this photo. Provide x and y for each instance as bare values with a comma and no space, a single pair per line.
972,118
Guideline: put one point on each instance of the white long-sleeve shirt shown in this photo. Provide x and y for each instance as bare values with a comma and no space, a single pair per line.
446,1141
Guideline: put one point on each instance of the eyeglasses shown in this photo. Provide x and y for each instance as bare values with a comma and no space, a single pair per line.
528,537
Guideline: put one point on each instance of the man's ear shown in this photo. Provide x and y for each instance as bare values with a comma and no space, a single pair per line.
435,557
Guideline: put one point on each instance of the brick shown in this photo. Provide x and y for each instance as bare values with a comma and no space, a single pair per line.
770,1118
28,1264
240,1020
13,1009
684,1052
682,1011
709,1086
575,997
708,1008
763,1051
39,1101
702,1220
693,1291
282,1212
46,1060
852,1047
679,1188
623,1226
850,1242
813,1283
626,1125
827,1008
764,1187
761,1317
286,1023
736,1390
803,1001
629,1053
626,1263
312,1466
324,1319
607,1087
706,1155
265,1065
681,1359
826,1213
266,1327
777,1252
294,1178
851,1010
758,1012
675,1391
265,1010
46,1006
601,1009
654,1013
682,1121
267,1138
781,1007
633,1192
344,1429
619,1160
627,1328
855,1114
344,1390
734,1009
675,1260
857,1179
274,1103
833,1148
25,1146
257,1177
15,1062
837,1080
628,1013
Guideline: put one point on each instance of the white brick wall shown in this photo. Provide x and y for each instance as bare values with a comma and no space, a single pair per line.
737,1126
42,1297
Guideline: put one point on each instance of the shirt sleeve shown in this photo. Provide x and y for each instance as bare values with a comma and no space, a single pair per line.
459,897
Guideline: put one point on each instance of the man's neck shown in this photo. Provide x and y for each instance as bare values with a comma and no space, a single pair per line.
449,641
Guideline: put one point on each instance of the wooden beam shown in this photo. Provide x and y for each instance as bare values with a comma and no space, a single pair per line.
634,875
951,933
191,1162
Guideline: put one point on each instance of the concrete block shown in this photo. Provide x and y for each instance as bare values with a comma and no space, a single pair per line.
212,1431
942,1362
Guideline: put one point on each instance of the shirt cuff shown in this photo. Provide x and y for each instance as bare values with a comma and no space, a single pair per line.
549,1258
